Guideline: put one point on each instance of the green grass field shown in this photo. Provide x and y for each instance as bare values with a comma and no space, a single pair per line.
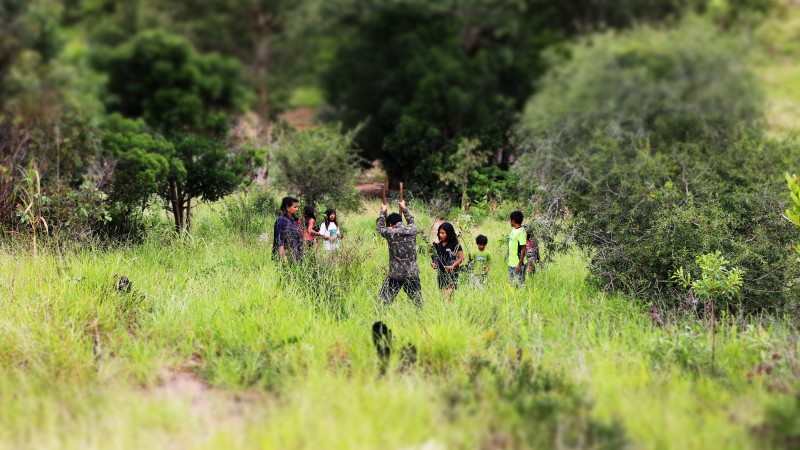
218,346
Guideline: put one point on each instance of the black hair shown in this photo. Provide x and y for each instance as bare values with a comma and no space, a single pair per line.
309,212
328,221
287,202
452,238
481,240
393,219
517,217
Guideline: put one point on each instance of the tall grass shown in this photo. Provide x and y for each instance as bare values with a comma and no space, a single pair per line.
283,358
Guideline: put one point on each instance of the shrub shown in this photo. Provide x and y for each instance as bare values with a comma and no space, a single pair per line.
533,407
653,143
319,164
250,214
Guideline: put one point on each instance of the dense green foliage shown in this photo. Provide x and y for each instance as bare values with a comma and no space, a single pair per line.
421,80
161,78
654,145
184,95
318,166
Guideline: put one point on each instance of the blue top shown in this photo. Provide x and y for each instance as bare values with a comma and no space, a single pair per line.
287,233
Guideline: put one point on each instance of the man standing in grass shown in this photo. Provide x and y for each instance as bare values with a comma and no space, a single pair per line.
517,240
403,267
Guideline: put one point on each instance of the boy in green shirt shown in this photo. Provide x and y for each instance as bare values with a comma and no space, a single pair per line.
517,240
482,262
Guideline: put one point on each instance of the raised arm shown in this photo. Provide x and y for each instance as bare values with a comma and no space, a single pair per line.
411,228
380,224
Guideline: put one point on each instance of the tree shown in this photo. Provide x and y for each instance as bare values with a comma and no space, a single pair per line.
793,212
422,76
654,144
319,164
142,161
262,34
465,160
717,283
182,95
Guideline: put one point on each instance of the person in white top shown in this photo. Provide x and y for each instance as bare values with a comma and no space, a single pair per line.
329,230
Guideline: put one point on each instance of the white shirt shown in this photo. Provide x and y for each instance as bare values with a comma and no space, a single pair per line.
331,231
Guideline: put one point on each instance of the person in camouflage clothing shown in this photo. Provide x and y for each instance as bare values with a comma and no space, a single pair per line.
403,268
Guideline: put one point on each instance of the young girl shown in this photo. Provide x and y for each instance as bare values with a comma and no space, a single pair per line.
309,222
448,257
329,230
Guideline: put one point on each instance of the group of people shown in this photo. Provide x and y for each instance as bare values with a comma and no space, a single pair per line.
293,236
447,257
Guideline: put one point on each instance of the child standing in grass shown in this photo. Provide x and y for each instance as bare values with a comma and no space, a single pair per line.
482,262
329,230
449,256
310,232
517,241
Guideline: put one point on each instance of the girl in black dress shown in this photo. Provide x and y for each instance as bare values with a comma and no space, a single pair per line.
447,259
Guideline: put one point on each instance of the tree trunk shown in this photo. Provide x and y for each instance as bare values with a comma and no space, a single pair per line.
177,206
464,194
261,26
188,213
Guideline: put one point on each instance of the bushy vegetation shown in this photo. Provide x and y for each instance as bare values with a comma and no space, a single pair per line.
318,165
656,148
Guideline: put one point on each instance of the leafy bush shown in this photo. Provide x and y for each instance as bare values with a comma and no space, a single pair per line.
653,143
532,407
250,214
319,164
642,225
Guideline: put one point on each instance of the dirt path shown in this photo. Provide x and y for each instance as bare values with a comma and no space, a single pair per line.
211,410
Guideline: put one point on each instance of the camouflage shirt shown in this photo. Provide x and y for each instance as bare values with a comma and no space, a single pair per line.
402,246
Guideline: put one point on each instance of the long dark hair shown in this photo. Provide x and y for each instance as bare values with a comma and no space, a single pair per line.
452,238
328,220
309,212
286,203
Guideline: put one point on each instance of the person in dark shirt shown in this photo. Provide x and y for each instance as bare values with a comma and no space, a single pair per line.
287,241
403,268
447,259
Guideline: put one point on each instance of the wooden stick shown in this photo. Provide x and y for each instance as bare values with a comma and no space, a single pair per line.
401,196
383,194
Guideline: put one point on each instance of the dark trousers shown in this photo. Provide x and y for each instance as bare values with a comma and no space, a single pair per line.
392,286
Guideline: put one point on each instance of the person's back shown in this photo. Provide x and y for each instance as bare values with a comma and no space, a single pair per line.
403,267
402,242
